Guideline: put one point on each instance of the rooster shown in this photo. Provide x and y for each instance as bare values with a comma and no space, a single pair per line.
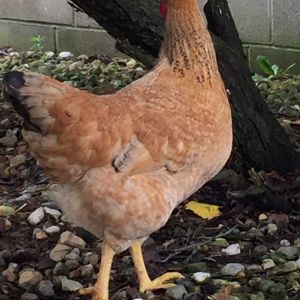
123,162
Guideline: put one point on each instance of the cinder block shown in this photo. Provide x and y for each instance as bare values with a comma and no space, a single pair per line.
252,19
286,23
49,11
83,20
86,41
18,34
282,57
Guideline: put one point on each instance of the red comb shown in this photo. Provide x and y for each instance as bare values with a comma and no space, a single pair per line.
163,8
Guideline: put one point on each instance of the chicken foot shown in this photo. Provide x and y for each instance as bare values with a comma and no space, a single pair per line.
101,291
146,284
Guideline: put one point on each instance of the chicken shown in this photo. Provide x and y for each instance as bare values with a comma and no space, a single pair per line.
123,162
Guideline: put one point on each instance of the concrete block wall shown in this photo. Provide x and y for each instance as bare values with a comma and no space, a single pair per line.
266,27
62,28
270,28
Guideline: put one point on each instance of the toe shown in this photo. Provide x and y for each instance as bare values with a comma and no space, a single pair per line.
92,292
161,282
166,277
86,291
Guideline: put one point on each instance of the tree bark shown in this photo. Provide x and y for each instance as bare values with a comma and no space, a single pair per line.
259,141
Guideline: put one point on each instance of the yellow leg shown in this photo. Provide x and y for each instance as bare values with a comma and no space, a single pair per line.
145,282
100,291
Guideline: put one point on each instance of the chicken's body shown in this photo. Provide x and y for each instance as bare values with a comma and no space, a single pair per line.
123,162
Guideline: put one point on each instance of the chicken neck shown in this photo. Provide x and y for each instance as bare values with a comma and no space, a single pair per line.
188,45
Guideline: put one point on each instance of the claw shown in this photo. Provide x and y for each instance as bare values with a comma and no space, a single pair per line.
160,282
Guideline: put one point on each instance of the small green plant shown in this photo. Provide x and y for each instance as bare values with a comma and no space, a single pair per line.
37,43
270,69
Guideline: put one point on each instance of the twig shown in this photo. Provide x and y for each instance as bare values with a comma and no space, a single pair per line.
196,245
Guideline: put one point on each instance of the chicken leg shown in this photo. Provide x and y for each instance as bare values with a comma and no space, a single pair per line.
101,291
146,284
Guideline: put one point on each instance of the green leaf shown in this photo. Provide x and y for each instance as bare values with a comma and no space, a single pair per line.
265,65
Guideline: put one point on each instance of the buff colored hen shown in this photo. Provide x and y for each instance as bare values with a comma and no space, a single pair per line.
123,162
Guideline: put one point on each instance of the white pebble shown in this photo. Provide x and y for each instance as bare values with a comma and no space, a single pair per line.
201,276
52,229
65,55
233,249
285,243
36,217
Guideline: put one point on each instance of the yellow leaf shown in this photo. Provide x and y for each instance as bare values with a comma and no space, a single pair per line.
203,210
6,211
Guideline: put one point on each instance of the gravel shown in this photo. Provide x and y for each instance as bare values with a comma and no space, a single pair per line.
46,288
232,269
36,216
70,285
176,292
59,252
29,279
69,239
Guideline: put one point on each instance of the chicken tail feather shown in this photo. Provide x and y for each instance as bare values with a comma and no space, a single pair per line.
32,95
12,83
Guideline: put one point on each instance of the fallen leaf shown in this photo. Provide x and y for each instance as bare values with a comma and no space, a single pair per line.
204,210
6,211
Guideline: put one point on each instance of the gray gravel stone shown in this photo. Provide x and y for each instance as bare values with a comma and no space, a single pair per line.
253,268
260,249
61,269
296,243
29,279
290,266
72,264
6,254
290,252
176,292
29,296
72,256
53,212
2,262
68,285
59,252
69,239
232,269
11,273
87,270
45,287
90,258
83,271
268,264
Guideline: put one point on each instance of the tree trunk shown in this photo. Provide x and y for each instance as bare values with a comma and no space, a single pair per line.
259,141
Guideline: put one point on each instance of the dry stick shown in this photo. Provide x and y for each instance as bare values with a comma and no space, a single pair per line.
196,245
